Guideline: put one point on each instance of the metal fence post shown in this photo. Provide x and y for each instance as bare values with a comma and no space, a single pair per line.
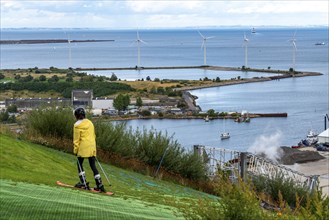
243,165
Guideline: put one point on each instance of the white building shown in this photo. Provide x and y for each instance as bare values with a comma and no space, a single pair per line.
323,137
102,103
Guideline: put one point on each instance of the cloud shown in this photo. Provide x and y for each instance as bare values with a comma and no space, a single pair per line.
146,14
279,7
164,6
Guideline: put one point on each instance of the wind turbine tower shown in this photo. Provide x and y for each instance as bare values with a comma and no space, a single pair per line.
246,41
70,54
294,49
204,46
139,41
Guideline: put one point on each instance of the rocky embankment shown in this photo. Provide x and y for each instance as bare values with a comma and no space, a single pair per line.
290,156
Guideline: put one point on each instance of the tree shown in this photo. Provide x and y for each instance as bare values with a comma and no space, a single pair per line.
148,78
54,78
2,76
161,90
69,79
121,102
211,112
12,108
139,102
4,116
153,90
113,77
42,78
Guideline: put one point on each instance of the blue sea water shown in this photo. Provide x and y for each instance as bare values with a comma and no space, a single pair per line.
304,99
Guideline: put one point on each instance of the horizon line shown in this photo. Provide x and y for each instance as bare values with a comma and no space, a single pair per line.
186,27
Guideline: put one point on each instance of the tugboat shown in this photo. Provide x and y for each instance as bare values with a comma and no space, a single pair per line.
312,137
310,140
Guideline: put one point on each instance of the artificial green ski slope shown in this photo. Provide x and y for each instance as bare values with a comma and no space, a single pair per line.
28,175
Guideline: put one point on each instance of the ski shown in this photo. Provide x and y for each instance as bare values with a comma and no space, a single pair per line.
90,190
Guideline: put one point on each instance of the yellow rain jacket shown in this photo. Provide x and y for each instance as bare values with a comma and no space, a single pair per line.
84,138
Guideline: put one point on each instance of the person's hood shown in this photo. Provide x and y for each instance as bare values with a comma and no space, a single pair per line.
82,124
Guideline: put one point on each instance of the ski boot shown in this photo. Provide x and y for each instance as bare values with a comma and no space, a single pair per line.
99,185
83,184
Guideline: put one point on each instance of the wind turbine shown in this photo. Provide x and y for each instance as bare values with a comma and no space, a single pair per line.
139,41
294,48
70,54
204,45
246,41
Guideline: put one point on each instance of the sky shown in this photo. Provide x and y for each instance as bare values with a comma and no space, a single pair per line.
122,14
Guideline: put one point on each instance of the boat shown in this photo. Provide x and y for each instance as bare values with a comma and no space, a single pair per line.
247,119
312,137
320,43
310,140
225,135
253,30
206,119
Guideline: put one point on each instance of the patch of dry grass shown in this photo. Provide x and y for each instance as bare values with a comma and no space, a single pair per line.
27,94
140,85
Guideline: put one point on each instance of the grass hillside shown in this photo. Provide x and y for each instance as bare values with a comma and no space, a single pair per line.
28,175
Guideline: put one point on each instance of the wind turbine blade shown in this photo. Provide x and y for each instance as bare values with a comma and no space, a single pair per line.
137,35
202,45
294,43
210,37
245,37
294,34
142,41
201,34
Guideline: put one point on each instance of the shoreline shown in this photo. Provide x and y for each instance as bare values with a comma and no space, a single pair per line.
283,74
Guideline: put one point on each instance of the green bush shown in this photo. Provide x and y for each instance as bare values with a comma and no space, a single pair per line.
286,186
149,147
51,122
237,201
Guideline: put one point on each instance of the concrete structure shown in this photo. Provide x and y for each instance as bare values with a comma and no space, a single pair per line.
82,98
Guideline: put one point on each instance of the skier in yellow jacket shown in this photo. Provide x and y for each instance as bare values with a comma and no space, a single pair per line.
84,141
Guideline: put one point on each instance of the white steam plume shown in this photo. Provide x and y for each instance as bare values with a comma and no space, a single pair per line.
267,145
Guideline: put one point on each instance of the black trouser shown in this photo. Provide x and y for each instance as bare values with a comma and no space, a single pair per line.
91,163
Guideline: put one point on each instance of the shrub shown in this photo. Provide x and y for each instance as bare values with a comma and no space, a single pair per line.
237,201
279,184
51,122
149,147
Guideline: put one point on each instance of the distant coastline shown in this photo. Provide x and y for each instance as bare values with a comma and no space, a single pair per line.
46,41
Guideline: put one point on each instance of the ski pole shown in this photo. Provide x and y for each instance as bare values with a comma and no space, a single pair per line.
103,171
83,177
156,172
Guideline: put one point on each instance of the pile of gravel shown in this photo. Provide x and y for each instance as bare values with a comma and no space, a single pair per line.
290,156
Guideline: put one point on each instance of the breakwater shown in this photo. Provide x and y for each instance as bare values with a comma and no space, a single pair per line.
48,41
